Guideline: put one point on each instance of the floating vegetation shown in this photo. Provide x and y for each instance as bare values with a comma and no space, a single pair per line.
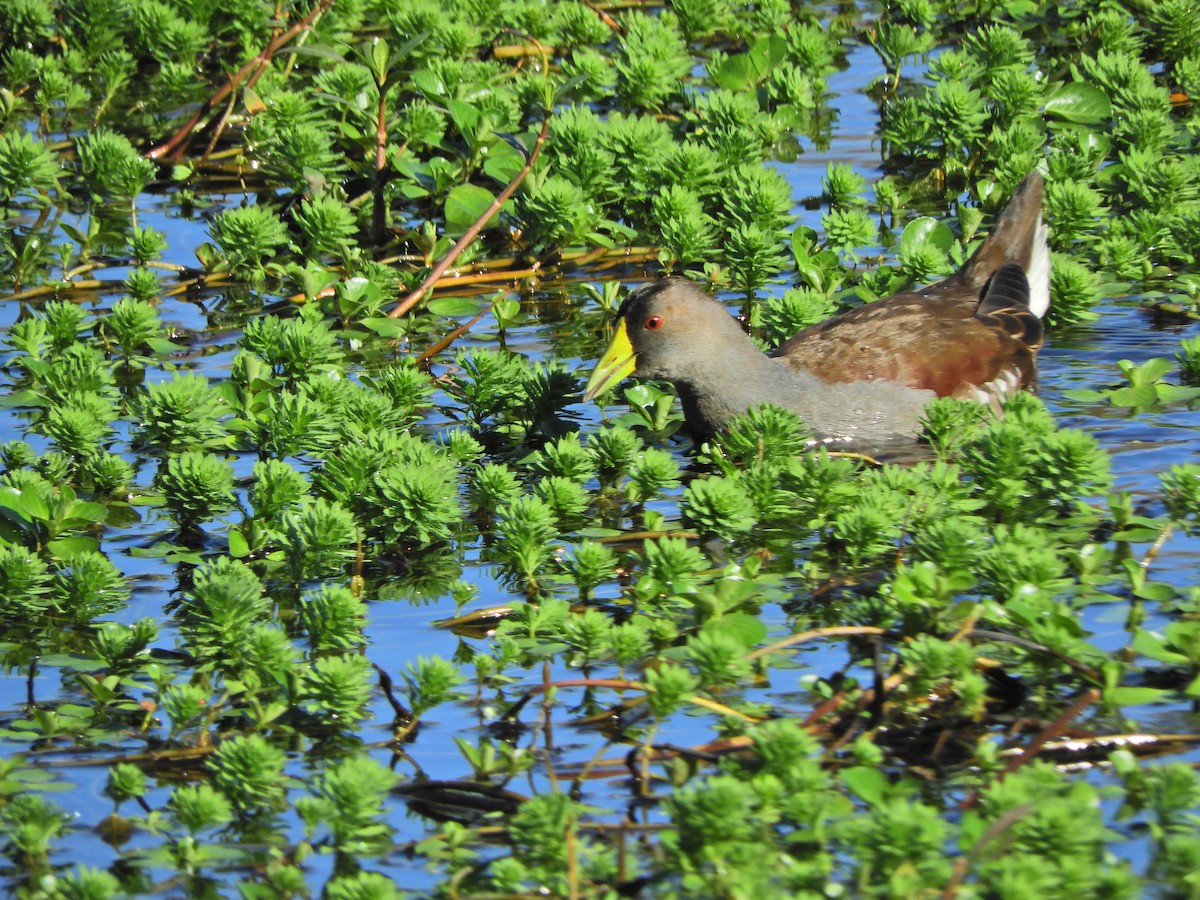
316,578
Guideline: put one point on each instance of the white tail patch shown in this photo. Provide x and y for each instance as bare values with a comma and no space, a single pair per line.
1038,272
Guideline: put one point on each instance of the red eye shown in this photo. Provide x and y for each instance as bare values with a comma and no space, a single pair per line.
653,323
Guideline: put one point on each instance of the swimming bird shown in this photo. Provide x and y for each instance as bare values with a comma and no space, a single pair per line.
864,375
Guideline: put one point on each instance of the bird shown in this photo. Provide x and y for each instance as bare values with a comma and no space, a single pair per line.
864,375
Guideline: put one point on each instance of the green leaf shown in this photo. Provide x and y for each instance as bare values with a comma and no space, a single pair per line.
70,546
744,70
507,311
466,204
87,513
379,58
239,548
318,51
1082,104
1148,372
428,83
40,777
926,230
868,784
971,829
597,532
735,74
12,528
162,345
1155,592
749,630
410,190
1193,689
1137,535
1021,9
385,326
456,307
171,553
503,162
74,234
1153,647
27,504
465,117
1135,696
21,398
1139,397
1175,393
769,52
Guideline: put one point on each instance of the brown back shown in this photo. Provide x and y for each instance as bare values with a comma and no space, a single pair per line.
961,332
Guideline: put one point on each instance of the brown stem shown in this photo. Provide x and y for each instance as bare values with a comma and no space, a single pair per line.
1000,637
175,145
572,865
806,636
216,132
1175,309
402,712
412,299
511,51
963,864
823,710
646,536
1031,750
617,683
604,17
91,284
489,277
453,336
379,212
1156,547
1072,712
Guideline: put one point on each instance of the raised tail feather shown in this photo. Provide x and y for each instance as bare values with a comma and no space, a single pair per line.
1018,237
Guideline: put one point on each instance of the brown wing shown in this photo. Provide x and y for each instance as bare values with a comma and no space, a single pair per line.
961,333
944,339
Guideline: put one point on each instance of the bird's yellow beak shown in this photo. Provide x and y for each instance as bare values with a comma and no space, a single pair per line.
617,364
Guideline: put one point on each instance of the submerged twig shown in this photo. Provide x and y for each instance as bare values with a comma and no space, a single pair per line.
1031,750
1086,699
403,713
806,636
1156,547
429,352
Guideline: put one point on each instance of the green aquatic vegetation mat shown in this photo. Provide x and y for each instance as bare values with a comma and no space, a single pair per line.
757,671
